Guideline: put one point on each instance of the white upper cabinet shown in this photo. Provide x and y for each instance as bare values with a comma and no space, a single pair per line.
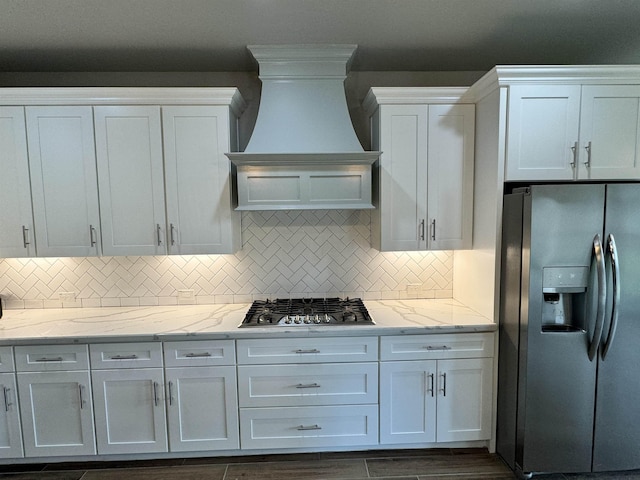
569,123
130,176
425,187
16,234
63,180
543,132
200,216
610,132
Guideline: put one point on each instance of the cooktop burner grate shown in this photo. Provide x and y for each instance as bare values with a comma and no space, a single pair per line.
307,311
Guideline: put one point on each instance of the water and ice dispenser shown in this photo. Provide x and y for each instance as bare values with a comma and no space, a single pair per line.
564,299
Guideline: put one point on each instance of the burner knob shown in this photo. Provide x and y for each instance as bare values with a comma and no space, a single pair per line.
297,319
307,319
327,318
287,320
316,319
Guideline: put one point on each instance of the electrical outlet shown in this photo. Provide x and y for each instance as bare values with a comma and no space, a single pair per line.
414,287
67,296
186,294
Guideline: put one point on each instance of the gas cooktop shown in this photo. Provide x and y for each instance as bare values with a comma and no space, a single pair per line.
307,312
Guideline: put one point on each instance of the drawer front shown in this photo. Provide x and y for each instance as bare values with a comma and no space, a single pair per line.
45,358
199,353
456,345
292,427
301,385
126,355
307,350
6,360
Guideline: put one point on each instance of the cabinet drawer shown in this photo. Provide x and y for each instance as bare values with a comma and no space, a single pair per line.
308,350
301,385
309,426
456,345
126,355
6,360
44,358
199,353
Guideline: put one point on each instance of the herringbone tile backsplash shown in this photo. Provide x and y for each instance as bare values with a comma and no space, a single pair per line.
293,253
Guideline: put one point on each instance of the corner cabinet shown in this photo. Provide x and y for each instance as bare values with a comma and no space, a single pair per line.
118,171
424,189
571,123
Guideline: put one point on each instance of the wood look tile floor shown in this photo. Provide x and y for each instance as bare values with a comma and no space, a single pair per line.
437,464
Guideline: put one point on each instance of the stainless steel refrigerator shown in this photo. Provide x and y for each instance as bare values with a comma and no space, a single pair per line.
569,358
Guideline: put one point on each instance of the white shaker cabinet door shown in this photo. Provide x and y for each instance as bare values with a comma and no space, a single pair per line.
407,402
610,133
130,411
130,174
16,234
201,219
57,418
10,430
450,176
63,181
464,392
202,408
403,177
542,134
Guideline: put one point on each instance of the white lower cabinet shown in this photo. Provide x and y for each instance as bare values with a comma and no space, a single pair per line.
202,399
10,429
440,400
308,402
129,400
55,400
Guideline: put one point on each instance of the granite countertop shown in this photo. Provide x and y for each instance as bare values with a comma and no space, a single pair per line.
219,321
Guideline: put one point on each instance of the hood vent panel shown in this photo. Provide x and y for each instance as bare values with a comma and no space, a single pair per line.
303,152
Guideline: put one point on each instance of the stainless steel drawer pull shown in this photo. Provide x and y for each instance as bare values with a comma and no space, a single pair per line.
170,393
310,427
430,388
574,150
7,402
198,355
438,347
587,163
312,350
47,359
92,235
172,234
155,393
124,357
159,234
308,385
25,236
80,394
444,384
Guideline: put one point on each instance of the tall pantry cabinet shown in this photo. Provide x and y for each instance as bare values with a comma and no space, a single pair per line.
424,189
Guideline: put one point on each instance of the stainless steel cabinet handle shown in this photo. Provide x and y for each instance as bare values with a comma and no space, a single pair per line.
7,402
310,427
440,347
615,270
421,229
159,233
49,359
124,357
308,385
170,393
433,229
574,158
431,381
81,396
444,384
312,350
172,234
587,147
602,297
198,355
25,236
155,393
92,235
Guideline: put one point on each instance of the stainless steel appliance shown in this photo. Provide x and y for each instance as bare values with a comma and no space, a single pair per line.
307,312
569,366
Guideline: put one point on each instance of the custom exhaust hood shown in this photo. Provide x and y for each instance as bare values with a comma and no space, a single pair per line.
303,152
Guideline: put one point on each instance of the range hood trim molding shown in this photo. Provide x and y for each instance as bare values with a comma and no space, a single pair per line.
303,159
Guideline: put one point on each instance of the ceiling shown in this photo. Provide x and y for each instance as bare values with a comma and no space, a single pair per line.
392,35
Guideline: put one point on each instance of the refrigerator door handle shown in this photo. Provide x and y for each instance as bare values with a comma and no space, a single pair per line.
602,297
615,270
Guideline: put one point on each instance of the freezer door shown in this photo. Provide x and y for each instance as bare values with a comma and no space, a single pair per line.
617,426
556,394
